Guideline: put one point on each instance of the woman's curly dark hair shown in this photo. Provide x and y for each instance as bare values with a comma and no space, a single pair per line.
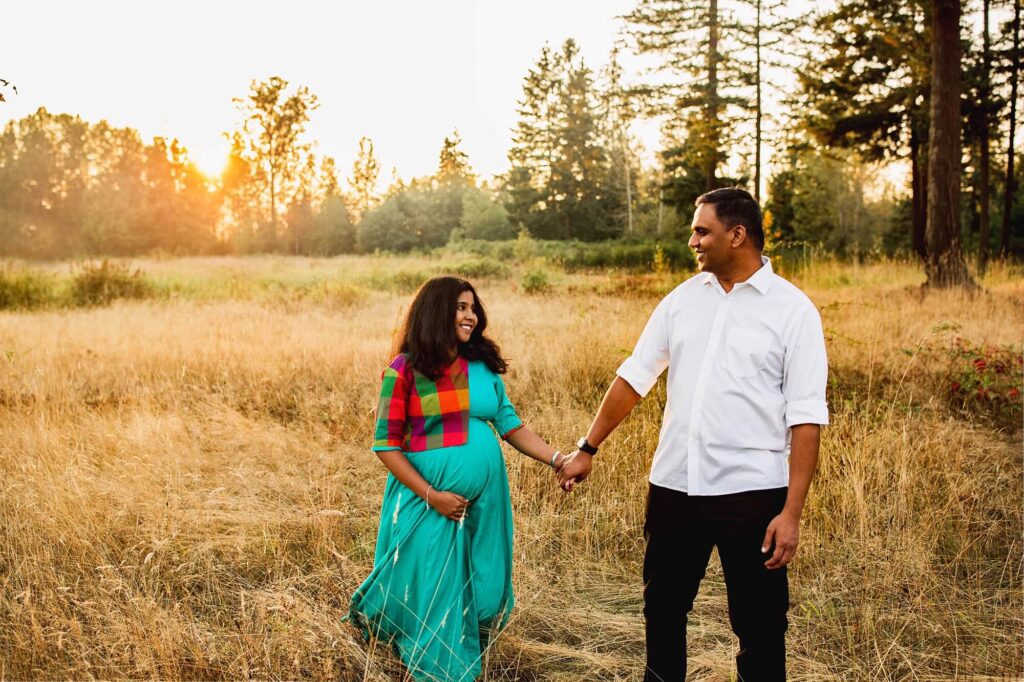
428,334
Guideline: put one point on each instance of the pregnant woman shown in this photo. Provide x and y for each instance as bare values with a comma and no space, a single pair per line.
441,582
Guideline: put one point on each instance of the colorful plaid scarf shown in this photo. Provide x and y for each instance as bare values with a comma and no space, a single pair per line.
416,413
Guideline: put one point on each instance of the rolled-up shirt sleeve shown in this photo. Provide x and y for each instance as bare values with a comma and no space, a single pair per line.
651,355
805,372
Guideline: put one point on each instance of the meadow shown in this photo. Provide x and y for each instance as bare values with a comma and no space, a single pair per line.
187,491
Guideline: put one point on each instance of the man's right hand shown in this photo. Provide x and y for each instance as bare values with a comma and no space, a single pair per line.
574,469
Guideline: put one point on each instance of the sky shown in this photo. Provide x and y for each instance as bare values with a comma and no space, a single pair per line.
402,73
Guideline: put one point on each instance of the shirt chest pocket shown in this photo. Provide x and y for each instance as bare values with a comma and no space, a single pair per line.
745,351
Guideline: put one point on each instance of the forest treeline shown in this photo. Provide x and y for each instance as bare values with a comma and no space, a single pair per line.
841,97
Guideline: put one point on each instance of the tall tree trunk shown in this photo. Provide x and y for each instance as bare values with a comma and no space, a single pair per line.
711,163
661,197
918,193
945,266
757,119
985,100
629,186
1008,187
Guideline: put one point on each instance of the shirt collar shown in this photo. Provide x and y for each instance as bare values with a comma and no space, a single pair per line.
760,280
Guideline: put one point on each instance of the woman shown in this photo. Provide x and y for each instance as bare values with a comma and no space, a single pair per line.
441,579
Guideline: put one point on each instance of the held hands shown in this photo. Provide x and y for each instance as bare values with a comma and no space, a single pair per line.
448,505
573,469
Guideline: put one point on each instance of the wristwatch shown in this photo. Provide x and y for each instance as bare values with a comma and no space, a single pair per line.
586,447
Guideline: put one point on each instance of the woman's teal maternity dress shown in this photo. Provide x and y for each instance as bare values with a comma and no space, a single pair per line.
439,587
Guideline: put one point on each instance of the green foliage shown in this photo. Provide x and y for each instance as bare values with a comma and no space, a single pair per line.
25,289
559,185
94,284
535,281
986,379
478,268
633,255
332,232
484,218
819,200
68,187
415,218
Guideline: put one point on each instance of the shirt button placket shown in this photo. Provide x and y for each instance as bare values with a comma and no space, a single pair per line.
707,363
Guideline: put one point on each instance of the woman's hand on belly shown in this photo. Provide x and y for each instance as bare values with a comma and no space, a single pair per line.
450,505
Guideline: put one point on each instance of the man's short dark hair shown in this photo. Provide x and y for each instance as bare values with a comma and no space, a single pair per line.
734,206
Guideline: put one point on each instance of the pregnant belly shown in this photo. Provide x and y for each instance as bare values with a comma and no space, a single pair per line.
463,469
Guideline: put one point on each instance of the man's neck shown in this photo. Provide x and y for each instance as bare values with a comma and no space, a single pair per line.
743,270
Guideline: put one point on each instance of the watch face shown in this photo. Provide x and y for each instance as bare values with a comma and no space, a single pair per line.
581,442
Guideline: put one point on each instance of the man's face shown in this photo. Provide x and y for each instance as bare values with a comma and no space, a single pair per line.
711,240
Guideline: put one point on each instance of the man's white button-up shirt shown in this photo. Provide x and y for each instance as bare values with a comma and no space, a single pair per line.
743,367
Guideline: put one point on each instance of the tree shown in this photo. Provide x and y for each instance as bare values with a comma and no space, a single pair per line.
484,218
945,265
180,214
453,164
763,37
534,147
1009,185
4,84
983,126
865,86
363,181
702,94
556,187
618,112
273,131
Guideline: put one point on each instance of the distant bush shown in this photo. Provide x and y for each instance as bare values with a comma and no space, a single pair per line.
101,283
636,256
24,289
535,281
477,268
400,281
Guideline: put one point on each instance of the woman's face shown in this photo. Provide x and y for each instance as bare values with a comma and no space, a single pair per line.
465,316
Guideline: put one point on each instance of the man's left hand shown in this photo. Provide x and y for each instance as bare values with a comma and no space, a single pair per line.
784,530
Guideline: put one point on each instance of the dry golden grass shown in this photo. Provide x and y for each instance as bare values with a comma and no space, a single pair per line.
186,489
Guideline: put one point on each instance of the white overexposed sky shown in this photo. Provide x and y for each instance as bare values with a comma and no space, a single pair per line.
401,72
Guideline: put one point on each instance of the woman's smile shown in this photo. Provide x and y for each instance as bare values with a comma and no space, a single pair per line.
465,316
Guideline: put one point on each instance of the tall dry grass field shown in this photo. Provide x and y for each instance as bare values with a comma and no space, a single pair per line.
186,488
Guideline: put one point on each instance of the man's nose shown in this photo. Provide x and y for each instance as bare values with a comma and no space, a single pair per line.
694,242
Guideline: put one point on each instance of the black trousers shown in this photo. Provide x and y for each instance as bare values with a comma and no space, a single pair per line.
681,531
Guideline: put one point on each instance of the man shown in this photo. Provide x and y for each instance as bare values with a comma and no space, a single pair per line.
746,387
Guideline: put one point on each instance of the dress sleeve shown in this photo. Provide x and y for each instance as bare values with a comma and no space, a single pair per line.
389,432
506,421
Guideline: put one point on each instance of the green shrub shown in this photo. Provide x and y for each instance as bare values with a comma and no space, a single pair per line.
24,289
634,255
101,283
478,268
535,281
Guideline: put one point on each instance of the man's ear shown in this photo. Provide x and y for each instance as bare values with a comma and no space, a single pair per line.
739,235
